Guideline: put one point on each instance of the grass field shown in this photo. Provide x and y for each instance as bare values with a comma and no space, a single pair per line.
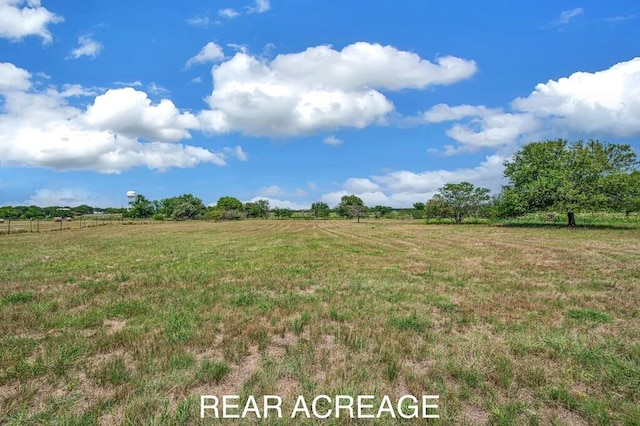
508,325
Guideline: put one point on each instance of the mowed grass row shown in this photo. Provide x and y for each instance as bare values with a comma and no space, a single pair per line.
131,324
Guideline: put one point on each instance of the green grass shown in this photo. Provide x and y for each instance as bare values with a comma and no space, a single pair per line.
508,324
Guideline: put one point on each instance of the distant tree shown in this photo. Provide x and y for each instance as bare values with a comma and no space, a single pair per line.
569,176
230,208
623,191
187,211
259,208
379,211
352,206
84,209
140,207
229,203
8,212
32,212
418,210
346,204
437,208
320,209
458,201
182,207
282,212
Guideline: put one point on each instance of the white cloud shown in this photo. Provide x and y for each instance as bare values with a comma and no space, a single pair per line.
332,140
236,152
87,47
568,15
493,130
321,88
71,197
260,6
199,21
76,90
601,103
40,128
606,101
211,52
13,78
228,13
282,204
270,191
360,185
129,112
617,19
400,189
443,112
22,18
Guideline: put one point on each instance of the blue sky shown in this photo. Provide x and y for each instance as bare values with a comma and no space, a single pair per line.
297,101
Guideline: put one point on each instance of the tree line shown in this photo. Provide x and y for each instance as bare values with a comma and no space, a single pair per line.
553,175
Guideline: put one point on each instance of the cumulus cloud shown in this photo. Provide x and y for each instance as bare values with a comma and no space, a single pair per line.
400,189
13,78
40,128
211,52
129,112
606,101
332,140
601,103
87,47
321,88
22,18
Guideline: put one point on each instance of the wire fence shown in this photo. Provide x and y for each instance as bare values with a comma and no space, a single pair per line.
17,226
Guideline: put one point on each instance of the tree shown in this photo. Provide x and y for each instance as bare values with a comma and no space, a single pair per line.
457,201
140,207
282,212
379,211
260,208
229,203
352,206
183,207
230,208
568,176
623,190
418,210
320,209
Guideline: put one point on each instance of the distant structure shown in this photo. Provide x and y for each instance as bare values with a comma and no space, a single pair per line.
131,195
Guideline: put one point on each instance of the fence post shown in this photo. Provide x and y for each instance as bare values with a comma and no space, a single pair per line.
30,221
8,226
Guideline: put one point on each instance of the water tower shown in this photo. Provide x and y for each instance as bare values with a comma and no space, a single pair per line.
131,195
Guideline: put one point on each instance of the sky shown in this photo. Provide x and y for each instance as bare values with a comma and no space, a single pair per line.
297,101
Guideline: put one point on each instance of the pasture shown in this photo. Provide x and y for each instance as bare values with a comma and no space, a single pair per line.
508,325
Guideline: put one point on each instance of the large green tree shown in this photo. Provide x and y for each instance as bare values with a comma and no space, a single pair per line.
183,207
457,201
556,174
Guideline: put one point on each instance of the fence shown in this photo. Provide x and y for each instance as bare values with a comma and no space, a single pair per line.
17,226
